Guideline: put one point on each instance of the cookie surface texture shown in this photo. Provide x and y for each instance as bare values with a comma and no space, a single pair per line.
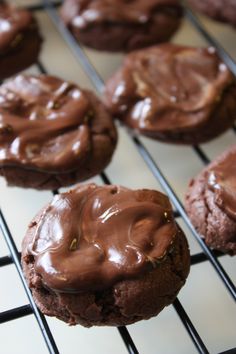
120,25
20,40
220,10
105,255
52,133
211,202
173,93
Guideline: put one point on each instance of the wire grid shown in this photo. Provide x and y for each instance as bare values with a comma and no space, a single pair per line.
205,255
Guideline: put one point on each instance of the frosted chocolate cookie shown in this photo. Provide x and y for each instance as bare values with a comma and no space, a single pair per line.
173,93
220,10
52,133
211,202
121,25
105,256
20,40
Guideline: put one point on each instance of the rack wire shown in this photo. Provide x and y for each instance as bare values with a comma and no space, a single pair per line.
206,255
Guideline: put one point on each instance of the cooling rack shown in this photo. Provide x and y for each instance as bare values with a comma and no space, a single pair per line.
145,150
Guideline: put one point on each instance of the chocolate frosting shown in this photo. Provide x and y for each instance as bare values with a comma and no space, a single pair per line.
91,237
167,87
222,181
48,124
81,13
13,24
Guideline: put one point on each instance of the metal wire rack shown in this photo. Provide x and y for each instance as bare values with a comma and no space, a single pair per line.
206,255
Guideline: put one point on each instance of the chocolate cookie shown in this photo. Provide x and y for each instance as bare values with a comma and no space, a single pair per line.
105,256
20,40
52,133
221,10
121,25
174,93
211,202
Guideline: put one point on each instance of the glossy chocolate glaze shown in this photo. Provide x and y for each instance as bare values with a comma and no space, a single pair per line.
48,124
14,23
167,88
83,12
222,181
91,237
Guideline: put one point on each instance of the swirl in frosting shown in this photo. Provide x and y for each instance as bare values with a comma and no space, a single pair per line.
92,237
